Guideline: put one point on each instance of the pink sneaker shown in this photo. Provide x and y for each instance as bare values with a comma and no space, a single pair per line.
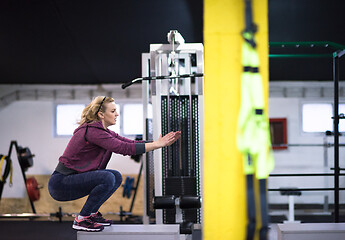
98,218
86,224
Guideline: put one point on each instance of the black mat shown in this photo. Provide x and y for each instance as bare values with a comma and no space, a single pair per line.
46,230
37,230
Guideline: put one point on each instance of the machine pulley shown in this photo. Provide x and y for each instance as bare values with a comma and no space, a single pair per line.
25,157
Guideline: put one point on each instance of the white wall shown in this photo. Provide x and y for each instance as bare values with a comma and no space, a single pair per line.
303,159
31,123
27,116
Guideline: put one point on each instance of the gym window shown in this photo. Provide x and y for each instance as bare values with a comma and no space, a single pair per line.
67,116
132,117
317,117
129,122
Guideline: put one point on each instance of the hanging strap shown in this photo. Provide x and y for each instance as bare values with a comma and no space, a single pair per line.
1,163
250,26
253,136
264,210
251,210
8,161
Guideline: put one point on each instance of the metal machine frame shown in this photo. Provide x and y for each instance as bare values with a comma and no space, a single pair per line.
176,58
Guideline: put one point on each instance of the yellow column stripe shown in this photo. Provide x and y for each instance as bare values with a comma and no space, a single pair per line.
224,199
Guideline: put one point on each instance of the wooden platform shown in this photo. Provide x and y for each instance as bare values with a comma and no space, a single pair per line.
133,232
311,231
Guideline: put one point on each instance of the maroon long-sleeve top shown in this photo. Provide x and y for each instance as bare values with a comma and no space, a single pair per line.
91,146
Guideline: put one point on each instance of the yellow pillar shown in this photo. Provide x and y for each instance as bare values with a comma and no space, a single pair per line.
224,196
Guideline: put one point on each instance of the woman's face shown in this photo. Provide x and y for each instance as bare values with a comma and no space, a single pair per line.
110,114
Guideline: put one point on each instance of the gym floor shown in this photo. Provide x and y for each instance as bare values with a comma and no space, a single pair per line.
43,230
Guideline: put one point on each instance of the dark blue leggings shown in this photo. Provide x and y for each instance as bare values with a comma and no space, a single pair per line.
99,185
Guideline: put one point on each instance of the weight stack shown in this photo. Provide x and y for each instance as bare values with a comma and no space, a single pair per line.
181,161
181,186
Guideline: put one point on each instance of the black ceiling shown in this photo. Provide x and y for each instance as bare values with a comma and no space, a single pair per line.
305,20
87,41
92,42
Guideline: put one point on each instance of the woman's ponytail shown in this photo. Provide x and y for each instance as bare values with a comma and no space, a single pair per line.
90,112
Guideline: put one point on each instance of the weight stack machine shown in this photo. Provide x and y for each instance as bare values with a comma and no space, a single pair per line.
174,92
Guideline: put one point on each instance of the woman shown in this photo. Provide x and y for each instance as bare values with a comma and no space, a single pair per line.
81,169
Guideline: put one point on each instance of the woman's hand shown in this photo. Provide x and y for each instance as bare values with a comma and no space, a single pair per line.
168,139
163,141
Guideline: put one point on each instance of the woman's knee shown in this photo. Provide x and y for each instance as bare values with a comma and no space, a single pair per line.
110,180
118,177
53,188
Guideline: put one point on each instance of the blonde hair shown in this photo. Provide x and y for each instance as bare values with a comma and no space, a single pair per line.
90,112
